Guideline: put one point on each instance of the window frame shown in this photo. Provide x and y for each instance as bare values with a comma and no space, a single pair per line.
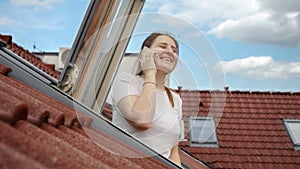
182,134
213,144
291,133
98,49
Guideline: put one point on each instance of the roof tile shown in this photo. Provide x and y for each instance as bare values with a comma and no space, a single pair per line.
7,39
250,133
86,145
31,148
44,132
11,109
40,103
4,70
30,57
10,158
65,150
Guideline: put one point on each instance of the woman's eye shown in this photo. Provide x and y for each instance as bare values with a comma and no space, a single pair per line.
174,50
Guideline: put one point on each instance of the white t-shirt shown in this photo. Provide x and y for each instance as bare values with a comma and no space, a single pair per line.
165,127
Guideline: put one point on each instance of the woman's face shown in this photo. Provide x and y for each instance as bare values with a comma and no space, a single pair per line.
167,53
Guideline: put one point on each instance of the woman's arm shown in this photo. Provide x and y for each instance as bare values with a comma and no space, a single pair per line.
139,110
174,156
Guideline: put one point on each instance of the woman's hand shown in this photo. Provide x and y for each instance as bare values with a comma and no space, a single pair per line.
147,59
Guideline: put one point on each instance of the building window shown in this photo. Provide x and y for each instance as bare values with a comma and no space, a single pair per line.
293,129
202,132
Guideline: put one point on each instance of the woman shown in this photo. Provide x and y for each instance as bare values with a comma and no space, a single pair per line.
143,106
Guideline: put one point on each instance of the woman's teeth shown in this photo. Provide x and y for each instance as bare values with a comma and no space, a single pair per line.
167,60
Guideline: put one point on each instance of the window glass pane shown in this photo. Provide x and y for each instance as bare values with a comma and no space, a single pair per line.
203,135
294,129
203,131
195,134
102,44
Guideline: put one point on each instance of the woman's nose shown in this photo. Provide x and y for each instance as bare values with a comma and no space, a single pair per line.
169,49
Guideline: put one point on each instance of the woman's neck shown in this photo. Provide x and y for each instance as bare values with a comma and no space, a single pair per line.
160,81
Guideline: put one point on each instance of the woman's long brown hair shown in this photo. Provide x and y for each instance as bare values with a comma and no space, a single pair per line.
148,42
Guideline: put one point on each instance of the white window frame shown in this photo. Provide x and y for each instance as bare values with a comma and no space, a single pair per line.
182,134
207,122
295,139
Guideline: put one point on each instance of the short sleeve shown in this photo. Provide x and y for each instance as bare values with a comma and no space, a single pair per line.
125,84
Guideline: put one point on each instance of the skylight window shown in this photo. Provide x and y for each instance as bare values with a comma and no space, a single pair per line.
202,132
293,128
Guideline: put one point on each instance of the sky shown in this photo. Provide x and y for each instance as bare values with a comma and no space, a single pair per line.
249,45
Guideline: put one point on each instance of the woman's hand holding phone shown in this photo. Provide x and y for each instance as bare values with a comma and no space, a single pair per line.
147,59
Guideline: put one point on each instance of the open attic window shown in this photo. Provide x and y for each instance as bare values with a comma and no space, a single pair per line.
98,49
202,132
293,128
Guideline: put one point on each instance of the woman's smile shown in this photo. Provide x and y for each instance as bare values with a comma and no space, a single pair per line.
167,59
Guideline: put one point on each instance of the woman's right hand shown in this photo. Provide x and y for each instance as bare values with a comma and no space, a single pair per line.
147,59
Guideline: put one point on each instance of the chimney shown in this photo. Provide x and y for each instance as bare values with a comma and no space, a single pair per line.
179,88
226,88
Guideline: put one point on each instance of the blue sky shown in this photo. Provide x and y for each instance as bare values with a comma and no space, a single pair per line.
246,45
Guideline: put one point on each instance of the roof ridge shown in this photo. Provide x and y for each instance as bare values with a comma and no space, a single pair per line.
243,92
29,56
6,39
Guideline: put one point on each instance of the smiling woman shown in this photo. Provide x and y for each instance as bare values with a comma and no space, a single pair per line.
143,106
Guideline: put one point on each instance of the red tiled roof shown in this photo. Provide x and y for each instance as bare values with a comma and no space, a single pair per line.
30,57
251,133
38,131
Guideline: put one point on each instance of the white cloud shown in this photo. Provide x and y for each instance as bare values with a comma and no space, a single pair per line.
261,28
260,67
294,68
37,4
38,15
204,12
278,6
251,21
274,23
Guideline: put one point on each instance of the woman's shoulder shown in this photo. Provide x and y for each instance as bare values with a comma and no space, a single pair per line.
126,77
